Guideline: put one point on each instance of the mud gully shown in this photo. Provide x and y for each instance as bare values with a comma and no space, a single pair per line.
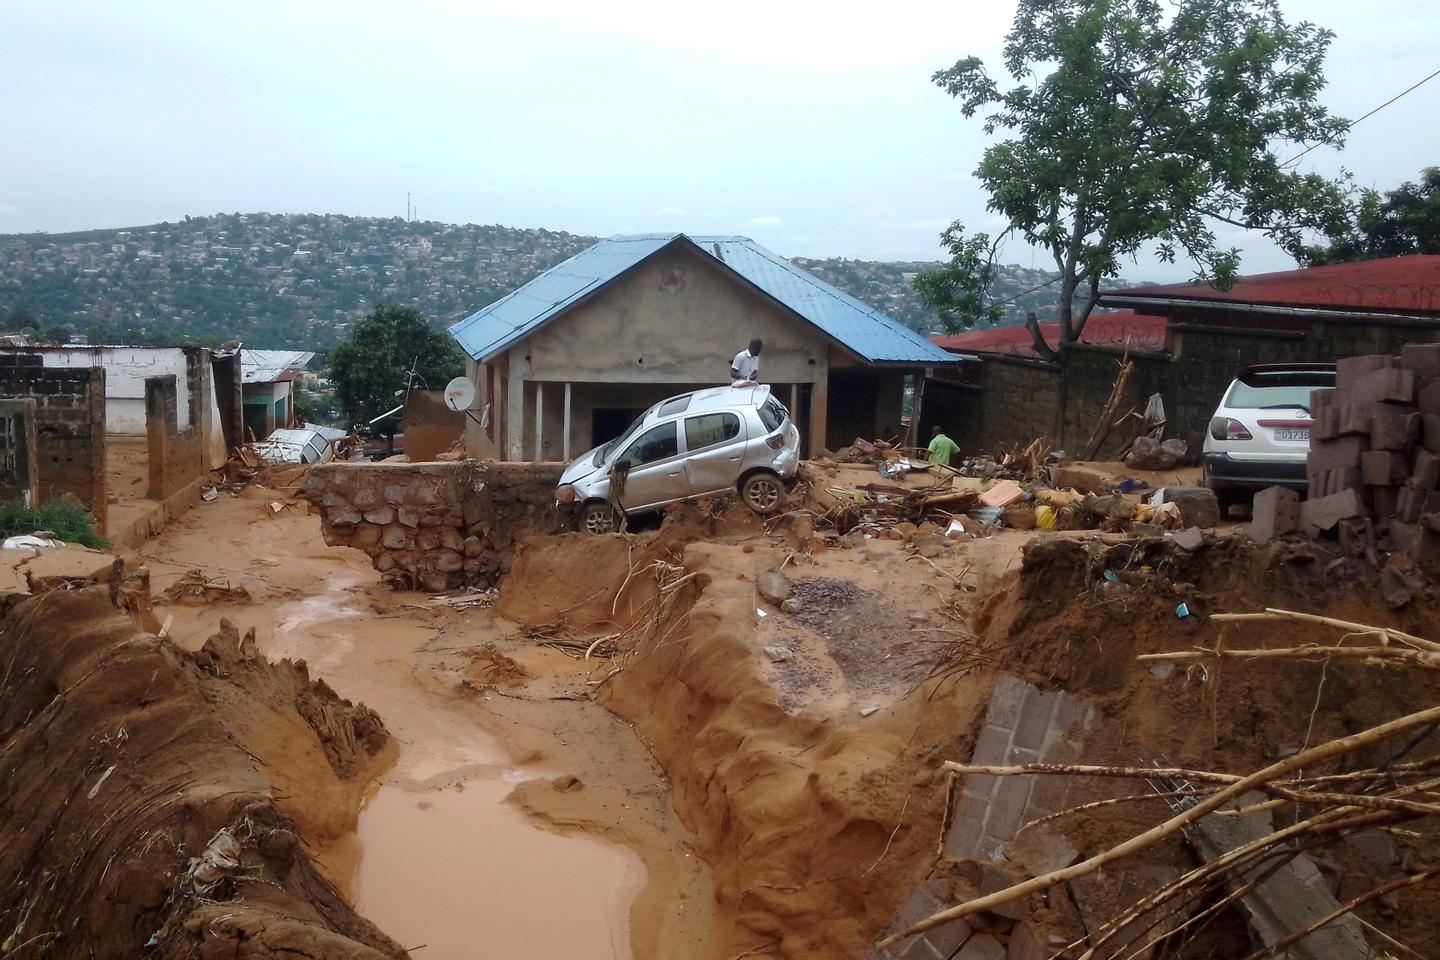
412,716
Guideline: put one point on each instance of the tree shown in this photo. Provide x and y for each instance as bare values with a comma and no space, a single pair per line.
372,370
1148,122
1402,221
958,290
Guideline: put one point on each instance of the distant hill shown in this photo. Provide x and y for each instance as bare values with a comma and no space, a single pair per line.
300,280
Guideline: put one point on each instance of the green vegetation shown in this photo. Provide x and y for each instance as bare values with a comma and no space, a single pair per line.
70,522
1146,124
372,370
1403,221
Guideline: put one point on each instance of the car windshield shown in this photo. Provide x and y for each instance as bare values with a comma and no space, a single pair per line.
604,452
1259,391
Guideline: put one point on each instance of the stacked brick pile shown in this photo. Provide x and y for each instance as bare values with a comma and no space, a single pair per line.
1374,463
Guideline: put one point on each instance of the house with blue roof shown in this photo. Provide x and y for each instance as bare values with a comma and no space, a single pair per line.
567,361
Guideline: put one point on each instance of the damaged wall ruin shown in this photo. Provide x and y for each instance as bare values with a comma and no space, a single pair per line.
435,526
19,469
1008,400
69,426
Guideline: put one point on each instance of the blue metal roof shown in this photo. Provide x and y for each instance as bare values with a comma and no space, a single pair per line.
869,334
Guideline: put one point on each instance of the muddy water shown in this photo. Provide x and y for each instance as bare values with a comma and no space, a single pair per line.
438,858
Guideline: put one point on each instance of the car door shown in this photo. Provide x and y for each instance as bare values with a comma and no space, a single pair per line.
657,469
714,450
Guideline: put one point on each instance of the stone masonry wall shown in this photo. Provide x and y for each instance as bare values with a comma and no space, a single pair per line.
436,526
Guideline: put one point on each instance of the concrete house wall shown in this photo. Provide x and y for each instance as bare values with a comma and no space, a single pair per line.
671,324
126,370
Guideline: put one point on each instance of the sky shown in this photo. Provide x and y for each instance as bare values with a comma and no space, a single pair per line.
812,127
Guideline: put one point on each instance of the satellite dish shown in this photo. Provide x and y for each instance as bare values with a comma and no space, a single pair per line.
460,394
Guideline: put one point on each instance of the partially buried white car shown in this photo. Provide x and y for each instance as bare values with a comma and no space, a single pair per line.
708,442
1260,433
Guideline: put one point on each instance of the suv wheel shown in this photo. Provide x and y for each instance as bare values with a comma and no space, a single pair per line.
598,516
762,492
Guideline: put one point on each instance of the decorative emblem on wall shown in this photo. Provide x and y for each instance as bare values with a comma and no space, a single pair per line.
672,280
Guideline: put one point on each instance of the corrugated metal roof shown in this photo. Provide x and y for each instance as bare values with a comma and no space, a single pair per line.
863,330
270,366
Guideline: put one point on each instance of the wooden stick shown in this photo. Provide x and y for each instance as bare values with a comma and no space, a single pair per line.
1149,837
1398,654
1275,613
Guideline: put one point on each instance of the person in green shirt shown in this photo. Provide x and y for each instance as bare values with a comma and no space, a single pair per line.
942,448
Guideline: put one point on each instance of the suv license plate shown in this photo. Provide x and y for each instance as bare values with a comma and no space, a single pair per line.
1293,433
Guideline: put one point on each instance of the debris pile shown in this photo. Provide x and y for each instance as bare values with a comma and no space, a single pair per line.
1374,462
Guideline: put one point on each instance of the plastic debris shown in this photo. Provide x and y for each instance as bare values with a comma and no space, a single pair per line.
866,711
1183,610
1110,576
26,540
1045,517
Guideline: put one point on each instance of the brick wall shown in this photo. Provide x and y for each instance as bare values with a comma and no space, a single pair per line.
436,526
1016,400
19,468
69,426
176,457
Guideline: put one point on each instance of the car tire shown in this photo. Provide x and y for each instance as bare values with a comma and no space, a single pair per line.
763,492
598,516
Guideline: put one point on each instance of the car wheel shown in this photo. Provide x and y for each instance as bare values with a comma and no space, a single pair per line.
762,492
598,517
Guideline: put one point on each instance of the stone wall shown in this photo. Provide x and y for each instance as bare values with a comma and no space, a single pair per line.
69,426
436,526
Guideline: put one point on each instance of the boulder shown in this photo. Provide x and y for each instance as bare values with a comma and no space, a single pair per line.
1198,506
774,586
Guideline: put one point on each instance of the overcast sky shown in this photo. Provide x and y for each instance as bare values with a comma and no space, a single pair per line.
812,127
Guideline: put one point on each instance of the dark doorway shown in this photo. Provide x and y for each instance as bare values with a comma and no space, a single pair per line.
607,423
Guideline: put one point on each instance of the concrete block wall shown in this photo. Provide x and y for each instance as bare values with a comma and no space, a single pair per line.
436,526
1023,724
175,456
69,426
19,467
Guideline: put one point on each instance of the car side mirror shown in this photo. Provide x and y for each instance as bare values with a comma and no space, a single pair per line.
622,465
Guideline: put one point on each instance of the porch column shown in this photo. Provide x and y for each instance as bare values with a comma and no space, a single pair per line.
515,418
565,444
539,421
794,400
819,399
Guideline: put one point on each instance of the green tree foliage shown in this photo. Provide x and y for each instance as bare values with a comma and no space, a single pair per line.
1134,123
375,363
1402,221
959,291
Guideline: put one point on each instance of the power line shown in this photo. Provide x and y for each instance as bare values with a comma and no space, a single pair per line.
1351,126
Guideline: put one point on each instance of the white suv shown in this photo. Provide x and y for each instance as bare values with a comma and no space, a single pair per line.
1260,433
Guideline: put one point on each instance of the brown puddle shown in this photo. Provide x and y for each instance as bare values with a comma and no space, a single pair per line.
438,859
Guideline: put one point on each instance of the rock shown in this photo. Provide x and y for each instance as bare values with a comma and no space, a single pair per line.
777,653
792,605
409,516
774,586
347,519
982,946
1041,850
567,783
919,616
383,516
427,538
1198,506
434,581
1190,539
449,561
450,539
474,546
366,536
396,537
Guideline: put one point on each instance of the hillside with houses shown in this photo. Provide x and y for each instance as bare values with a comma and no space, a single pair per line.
300,280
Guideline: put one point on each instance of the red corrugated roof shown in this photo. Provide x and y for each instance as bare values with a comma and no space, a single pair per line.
1394,284
1143,333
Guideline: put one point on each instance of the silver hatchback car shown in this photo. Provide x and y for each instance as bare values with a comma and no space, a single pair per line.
716,440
